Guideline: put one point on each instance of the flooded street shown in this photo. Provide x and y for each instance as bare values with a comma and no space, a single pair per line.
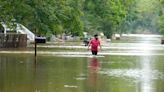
133,64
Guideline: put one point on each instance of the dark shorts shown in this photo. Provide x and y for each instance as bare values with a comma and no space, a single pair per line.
94,52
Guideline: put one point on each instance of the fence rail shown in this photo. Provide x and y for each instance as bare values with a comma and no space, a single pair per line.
13,40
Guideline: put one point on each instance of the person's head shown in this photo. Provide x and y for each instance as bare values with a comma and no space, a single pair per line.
96,36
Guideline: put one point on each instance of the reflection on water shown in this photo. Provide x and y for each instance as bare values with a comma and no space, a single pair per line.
16,74
145,76
93,79
120,72
146,80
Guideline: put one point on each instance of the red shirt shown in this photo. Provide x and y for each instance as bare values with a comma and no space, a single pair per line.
94,44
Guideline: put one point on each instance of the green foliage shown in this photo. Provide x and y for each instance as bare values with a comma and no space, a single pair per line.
143,14
104,15
75,16
44,16
161,18
160,24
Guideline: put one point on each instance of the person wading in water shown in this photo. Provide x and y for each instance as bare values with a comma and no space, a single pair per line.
94,43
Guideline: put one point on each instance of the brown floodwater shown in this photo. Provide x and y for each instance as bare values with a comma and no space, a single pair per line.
122,66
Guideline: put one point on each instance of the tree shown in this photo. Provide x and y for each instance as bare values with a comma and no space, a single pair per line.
144,16
104,15
161,18
44,16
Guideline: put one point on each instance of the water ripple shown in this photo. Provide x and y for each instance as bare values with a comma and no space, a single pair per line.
134,73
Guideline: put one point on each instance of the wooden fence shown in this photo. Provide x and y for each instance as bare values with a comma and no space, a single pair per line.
13,40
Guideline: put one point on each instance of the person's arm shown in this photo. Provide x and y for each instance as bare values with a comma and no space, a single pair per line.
89,44
100,45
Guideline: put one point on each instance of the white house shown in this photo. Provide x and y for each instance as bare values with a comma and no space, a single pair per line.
19,29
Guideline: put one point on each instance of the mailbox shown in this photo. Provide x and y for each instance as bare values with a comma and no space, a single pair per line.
40,39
